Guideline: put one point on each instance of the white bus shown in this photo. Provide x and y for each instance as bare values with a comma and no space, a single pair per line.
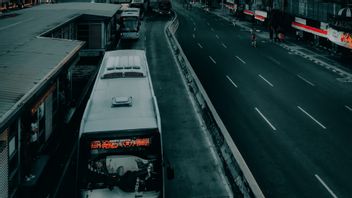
130,23
120,146
142,5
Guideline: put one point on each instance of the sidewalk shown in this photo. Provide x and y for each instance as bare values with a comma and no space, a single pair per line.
320,56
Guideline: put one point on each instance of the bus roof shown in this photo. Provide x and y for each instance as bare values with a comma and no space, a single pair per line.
119,102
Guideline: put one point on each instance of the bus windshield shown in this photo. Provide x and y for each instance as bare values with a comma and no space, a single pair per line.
129,164
130,24
129,173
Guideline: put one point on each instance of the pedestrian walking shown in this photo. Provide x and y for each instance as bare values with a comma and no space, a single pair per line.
281,37
271,33
187,4
253,39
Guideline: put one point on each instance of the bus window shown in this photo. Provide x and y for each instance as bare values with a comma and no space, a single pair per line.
130,24
123,171
128,164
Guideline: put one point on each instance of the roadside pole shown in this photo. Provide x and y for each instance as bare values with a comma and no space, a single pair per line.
222,6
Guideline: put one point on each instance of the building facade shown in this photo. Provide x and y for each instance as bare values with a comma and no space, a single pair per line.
324,22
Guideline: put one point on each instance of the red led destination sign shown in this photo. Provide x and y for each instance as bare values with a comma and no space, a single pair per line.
120,143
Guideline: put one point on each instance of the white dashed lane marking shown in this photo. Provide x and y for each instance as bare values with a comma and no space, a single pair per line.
266,120
240,59
305,80
266,80
234,84
311,117
325,186
211,58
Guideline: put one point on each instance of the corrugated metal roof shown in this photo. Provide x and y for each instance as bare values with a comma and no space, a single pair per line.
97,9
26,60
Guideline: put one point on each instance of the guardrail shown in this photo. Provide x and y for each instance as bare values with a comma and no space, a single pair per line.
237,172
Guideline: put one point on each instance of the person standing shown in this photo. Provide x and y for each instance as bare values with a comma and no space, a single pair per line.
31,144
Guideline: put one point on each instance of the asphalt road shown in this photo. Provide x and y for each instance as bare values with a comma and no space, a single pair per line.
290,118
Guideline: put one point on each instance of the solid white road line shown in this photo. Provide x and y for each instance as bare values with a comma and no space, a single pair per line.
212,59
14,24
267,121
311,117
228,78
265,80
240,59
217,36
274,60
305,80
349,108
326,186
223,45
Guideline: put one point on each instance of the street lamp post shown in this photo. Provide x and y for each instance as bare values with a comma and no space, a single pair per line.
222,6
